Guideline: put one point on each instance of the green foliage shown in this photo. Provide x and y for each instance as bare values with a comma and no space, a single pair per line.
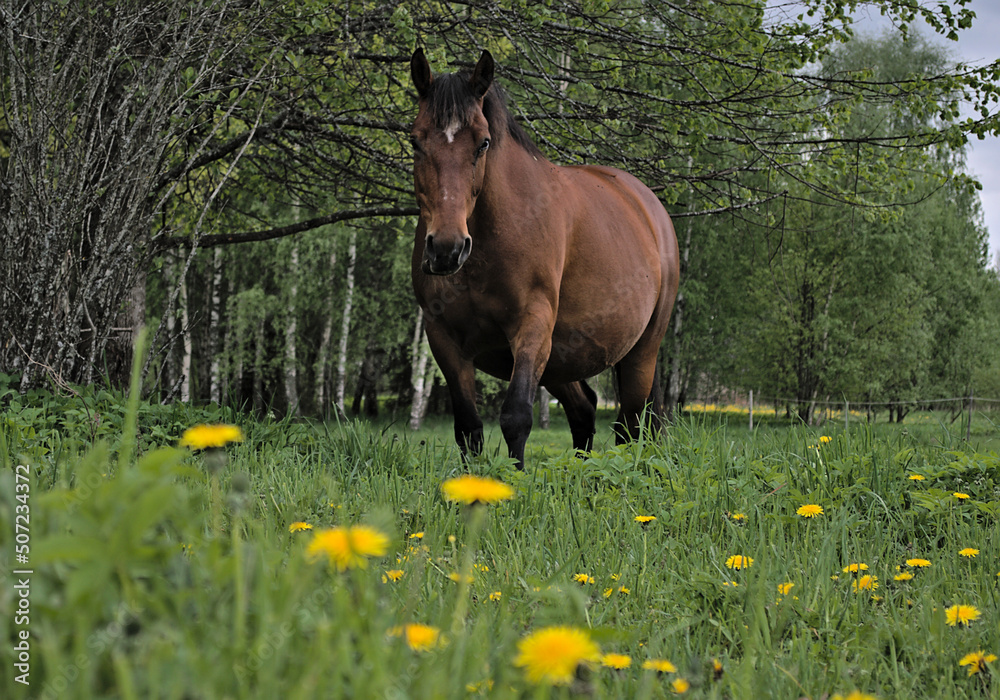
135,578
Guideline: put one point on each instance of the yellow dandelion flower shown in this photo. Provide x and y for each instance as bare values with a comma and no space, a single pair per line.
615,577
471,489
717,669
643,519
865,583
416,536
616,661
738,517
855,568
916,477
608,591
551,655
392,575
299,527
348,548
903,576
457,577
680,686
583,578
918,563
961,614
659,665
202,437
810,510
825,439
496,595
968,552
976,661
784,588
738,561
854,695
960,496
727,584
623,590
418,637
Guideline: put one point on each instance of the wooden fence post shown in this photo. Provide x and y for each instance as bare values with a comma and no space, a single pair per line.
968,427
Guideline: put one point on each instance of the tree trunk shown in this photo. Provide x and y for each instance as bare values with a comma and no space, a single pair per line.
673,393
291,329
169,372
352,251
323,353
214,352
182,301
227,374
544,415
420,353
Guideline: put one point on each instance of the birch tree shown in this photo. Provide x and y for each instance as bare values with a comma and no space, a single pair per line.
345,326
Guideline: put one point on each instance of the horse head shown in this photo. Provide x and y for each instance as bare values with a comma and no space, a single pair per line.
450,138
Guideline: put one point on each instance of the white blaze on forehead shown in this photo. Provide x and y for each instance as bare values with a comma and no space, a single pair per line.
452,129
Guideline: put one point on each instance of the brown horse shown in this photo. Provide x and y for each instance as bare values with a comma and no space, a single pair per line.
532,272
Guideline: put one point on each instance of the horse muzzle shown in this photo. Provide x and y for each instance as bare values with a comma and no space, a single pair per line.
444,259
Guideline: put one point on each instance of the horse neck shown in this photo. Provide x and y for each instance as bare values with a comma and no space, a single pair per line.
513,176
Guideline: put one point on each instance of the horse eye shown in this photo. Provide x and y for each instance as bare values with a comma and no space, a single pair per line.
482,147
415,144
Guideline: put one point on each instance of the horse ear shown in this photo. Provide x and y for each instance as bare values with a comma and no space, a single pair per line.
482,75
420,72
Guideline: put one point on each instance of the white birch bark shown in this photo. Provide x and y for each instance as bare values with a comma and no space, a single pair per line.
182,301
291,329
323,354
420,377
215,384
170,322
352,251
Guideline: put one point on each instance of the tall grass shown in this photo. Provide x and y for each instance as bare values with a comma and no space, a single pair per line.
139,594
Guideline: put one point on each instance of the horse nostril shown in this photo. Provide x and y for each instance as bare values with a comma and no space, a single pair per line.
429,244
466,249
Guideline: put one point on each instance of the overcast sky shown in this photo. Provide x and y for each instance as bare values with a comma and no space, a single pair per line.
980,44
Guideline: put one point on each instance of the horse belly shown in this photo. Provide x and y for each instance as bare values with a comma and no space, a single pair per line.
590,345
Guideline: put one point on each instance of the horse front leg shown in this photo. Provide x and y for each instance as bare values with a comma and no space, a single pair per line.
531,348
460,376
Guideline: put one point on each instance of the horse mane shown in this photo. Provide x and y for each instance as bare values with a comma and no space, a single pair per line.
450,98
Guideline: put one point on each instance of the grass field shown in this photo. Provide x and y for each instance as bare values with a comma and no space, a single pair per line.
167,574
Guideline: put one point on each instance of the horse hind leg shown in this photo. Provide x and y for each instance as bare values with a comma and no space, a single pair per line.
580,404
638,392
